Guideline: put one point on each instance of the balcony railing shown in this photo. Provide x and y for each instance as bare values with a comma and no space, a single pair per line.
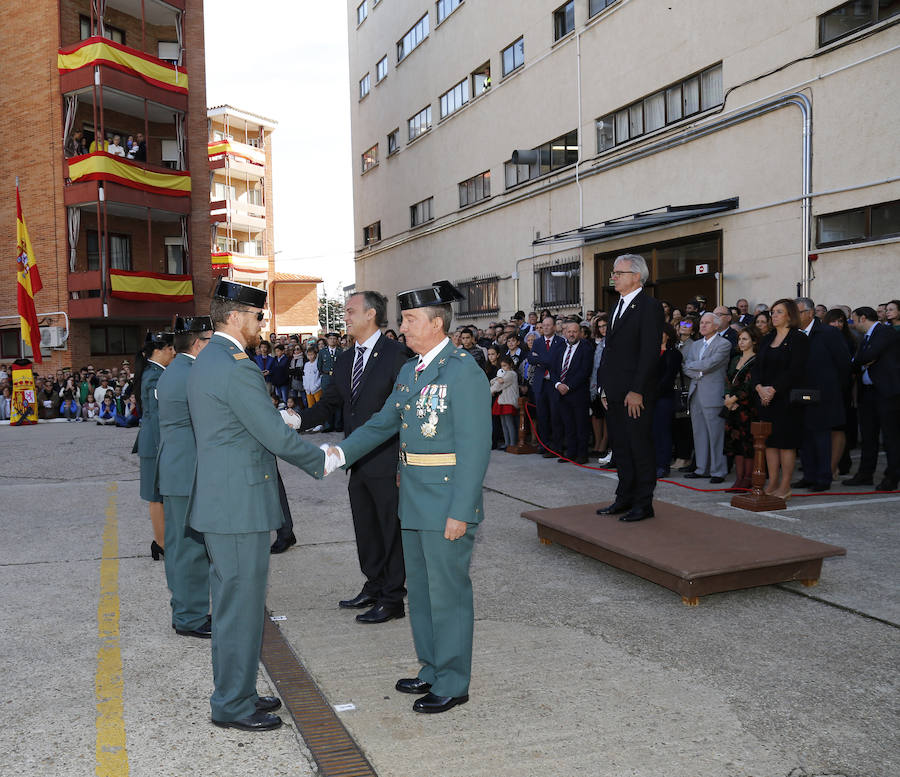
223,261
162,294
236,150
102,51
101,166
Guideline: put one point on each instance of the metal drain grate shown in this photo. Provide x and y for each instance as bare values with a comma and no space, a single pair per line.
335,751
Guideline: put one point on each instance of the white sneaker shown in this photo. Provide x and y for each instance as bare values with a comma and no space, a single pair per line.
604,460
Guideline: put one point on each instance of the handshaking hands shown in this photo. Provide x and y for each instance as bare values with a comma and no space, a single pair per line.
334,458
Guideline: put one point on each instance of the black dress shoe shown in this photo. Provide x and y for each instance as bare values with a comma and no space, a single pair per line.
412,685
816,487
687,468
562,460
615,508
637,514
715,480
548,455
381,613
362,599
580,459
201,632
432,703
696,475
886,485
859,480
281,544
802,483
258,721
267,703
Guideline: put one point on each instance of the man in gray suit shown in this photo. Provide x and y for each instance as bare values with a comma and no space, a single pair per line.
235,498
187,565
705,363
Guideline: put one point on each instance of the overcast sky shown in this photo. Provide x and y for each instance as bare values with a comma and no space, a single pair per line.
287,60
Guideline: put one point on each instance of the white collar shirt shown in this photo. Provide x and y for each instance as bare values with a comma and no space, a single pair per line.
369,345
229,337
626,301
426,359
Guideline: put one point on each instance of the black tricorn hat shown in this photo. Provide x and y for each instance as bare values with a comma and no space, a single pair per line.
439,293
239,292
186,324
161,339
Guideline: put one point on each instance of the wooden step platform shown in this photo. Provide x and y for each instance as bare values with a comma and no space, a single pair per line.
691,553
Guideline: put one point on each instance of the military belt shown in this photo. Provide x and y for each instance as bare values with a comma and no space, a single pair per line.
428,459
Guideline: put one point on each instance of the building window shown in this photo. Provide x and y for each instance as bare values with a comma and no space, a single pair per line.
112,33
595,6
481,297
860,225
417,33
513,56
445,8
362,11
364,85
381,69
118,249
421,212
481,79
559,152
853,16
370,158
10,340
667,106
476,188
454,99
564,20
558,284
114,340
372,233
420,123
176,261
393,141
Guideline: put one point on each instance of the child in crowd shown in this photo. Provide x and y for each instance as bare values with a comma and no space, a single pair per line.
68,408
90,409
107,413
312,380
290,415
130,417
506,387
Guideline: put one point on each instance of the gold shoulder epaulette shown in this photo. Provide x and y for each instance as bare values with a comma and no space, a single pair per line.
240,355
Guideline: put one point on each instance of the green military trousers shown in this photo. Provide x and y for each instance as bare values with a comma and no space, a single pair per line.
187,567
440,607
238,573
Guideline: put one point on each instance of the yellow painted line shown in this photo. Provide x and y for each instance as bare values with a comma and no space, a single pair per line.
112,757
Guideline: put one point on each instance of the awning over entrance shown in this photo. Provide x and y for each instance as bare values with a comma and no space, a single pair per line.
658,217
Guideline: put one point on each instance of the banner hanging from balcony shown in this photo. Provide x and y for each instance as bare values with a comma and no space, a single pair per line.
101,166
150,286
224,260
102,51
240,150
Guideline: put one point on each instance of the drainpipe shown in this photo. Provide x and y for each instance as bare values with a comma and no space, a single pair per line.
578,175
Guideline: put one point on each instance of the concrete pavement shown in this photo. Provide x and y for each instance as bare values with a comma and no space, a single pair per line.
579,668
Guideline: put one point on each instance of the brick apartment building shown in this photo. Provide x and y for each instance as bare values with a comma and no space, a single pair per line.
122,244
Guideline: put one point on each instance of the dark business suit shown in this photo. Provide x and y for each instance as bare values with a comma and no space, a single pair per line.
549,424
878,358
573,405
630,362
373,479
827,370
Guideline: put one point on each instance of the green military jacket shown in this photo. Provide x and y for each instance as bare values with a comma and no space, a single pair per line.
325,362
443,417
177,449
238,434
147,442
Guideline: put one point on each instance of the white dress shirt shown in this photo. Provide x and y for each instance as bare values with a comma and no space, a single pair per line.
369,345
626,301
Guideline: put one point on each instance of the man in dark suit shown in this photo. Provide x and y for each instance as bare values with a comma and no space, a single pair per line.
746,317
877,363
570,377
364,378
628,375
725,329
827,371
546,348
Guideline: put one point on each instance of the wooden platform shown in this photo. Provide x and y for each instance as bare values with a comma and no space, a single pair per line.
691,553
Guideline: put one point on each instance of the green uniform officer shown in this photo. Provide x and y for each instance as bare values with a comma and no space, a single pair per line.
441,407
187,565
151,361
234,500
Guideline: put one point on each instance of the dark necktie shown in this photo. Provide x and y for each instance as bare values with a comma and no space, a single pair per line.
565,364
618,313
357,372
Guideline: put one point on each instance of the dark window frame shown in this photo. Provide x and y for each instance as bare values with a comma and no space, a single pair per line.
874,18
545,152
603,5
867,237
571,284
82,20
561,26
454,4
395,134
512,47
481,297
4,333
402,51
413,212
463,186
135,331
372,233
370,154
89,233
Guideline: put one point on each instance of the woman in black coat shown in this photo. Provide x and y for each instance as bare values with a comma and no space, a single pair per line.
780,367
670,359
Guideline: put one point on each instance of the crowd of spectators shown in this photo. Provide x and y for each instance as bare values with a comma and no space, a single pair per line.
134,147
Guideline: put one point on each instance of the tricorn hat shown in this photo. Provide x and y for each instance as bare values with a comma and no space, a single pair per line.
438,293
161,339
239,292
186,324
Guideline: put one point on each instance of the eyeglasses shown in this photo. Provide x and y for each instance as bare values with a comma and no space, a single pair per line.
617,273
259,314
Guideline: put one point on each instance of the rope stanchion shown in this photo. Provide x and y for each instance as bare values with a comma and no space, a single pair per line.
685,485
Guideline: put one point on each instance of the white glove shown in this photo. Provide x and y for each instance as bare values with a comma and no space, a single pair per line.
333,461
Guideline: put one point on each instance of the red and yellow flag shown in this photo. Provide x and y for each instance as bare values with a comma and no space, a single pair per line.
28,284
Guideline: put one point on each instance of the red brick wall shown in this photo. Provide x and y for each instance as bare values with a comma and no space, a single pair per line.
296,304
71,10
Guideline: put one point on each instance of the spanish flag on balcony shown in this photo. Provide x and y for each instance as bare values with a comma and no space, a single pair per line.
101,166
102,51
150,286
28,284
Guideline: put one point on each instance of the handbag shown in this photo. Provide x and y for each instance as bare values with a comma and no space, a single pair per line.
804,397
